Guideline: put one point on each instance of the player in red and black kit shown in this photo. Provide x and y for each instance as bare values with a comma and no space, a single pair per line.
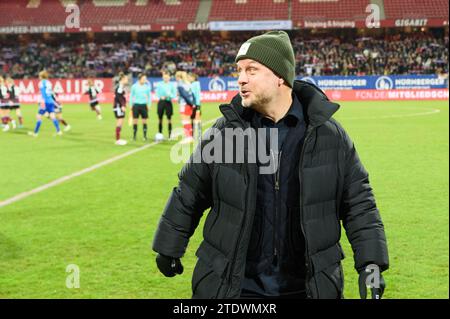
58,113
5,108
120,106
92,91
13,98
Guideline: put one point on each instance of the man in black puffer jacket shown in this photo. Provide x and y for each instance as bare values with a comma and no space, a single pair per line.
274,233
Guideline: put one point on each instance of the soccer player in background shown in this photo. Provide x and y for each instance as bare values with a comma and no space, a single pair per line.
140,100
196,112
92,91
186,104
116,80
165,92
13,96
59,115
120,103
4,106
47,105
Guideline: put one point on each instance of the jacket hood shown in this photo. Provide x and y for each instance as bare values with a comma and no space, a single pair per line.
317,108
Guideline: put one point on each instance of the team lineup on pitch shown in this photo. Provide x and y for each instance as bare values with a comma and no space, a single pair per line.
54,183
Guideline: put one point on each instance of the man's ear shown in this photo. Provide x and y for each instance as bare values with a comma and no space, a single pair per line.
280,81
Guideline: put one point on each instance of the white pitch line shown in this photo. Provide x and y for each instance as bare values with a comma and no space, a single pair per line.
433,111
63,179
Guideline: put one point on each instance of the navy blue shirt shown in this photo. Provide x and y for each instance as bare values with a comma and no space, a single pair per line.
275,257
291,119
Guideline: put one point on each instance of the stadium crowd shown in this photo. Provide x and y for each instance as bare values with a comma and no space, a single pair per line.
208,54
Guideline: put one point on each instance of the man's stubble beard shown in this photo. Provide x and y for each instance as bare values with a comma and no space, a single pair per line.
259,103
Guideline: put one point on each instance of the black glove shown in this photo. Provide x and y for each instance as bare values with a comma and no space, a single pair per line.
169,266
376,285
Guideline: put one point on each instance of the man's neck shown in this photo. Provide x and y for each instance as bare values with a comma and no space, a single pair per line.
277,109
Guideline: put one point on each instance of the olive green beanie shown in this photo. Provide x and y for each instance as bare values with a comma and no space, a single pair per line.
274,50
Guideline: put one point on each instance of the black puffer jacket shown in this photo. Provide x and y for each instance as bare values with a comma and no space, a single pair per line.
334,187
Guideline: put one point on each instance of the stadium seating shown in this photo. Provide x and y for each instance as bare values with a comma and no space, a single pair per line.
24,12
249,10
397,9
329,9
52,12
152,12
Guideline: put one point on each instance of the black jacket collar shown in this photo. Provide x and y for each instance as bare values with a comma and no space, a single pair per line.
316,106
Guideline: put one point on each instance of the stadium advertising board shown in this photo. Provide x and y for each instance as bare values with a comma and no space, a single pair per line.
374,82
386,23
385,95
218,83
224,88
68,90
224,26
221,84
250,25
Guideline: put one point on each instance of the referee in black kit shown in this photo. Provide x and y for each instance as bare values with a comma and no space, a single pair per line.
165,92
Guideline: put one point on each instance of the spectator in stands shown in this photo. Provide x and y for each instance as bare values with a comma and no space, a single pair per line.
209,55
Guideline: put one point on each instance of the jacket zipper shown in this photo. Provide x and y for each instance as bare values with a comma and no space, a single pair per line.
307,262
277,189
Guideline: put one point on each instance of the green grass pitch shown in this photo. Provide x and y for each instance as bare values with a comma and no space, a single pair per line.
104,220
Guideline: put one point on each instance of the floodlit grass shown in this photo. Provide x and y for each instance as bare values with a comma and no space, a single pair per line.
104,221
